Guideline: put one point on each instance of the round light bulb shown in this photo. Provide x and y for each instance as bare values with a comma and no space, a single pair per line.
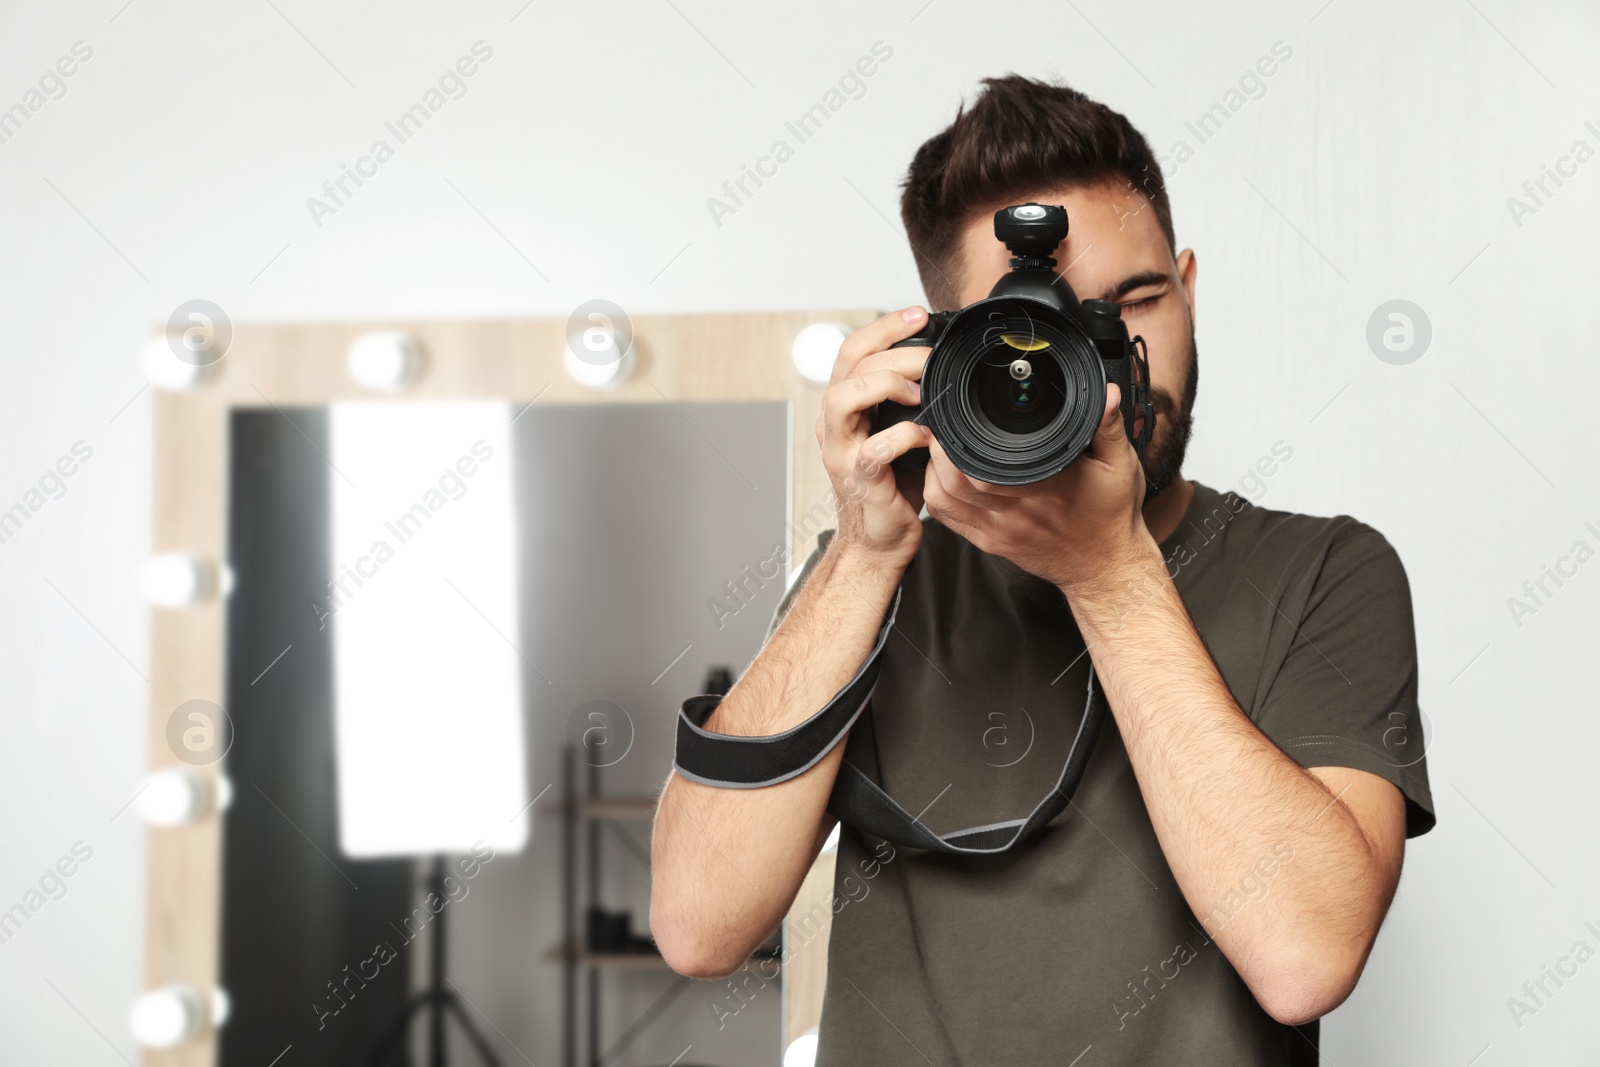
802,1051
385,360
177,579
166,1017
610,375
815,348
221,1007
165,370
173,797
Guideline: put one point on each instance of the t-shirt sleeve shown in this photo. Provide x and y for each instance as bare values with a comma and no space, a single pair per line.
1346,692
793,592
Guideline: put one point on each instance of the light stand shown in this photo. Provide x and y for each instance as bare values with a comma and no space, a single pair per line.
437,1000
428,687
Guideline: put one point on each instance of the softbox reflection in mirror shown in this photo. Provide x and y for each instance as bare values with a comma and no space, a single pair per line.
423,606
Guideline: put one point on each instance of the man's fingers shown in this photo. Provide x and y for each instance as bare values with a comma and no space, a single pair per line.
953,512
886,446
846,400
872,473
1111,418
991,489
879,335
1111,438
906,362
868,477
957,485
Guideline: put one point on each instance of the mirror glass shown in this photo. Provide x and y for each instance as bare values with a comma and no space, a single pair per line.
457,639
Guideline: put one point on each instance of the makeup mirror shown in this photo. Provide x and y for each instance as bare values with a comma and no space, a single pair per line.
452,629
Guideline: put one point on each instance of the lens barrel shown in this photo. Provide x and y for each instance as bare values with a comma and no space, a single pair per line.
1000,426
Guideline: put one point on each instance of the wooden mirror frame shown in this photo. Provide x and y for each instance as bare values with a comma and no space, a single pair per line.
729,357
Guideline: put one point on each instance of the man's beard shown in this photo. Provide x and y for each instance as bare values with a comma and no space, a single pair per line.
1169,438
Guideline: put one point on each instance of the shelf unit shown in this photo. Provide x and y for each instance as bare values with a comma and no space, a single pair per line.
589,812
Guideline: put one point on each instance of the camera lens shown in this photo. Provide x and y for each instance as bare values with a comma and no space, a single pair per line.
1018,396
1013,392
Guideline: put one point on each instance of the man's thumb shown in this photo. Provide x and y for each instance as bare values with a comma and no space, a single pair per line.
1111,421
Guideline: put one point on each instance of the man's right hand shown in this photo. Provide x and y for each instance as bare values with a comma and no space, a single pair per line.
877,523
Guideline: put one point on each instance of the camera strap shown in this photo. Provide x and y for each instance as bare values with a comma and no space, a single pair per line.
729,762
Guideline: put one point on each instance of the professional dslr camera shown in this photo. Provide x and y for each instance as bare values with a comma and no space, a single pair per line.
1015,384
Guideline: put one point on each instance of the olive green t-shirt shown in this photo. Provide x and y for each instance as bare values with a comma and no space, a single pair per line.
1078,948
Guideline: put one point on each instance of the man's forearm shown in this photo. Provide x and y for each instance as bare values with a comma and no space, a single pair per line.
726,863
1222,797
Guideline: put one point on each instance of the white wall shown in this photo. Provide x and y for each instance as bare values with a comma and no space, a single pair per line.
1376,166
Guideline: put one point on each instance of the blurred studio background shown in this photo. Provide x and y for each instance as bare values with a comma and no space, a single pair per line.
174,525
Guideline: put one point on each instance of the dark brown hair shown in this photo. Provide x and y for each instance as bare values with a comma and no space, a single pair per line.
1020,138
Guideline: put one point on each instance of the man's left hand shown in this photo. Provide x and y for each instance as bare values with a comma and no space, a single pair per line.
1077,529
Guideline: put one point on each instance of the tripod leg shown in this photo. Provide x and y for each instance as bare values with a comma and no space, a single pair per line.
436,1053
473,1034
397,1033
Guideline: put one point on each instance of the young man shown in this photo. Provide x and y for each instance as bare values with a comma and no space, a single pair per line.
1218,881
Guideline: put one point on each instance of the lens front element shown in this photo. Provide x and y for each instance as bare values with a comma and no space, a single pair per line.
1018,396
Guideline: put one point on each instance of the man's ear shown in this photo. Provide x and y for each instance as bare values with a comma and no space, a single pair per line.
1188,267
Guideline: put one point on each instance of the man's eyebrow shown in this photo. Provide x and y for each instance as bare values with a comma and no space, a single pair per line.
1136,281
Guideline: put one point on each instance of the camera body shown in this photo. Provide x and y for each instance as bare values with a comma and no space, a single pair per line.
1015,384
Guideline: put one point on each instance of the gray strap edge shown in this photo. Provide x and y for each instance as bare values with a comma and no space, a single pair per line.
766,739
946,842
831,745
